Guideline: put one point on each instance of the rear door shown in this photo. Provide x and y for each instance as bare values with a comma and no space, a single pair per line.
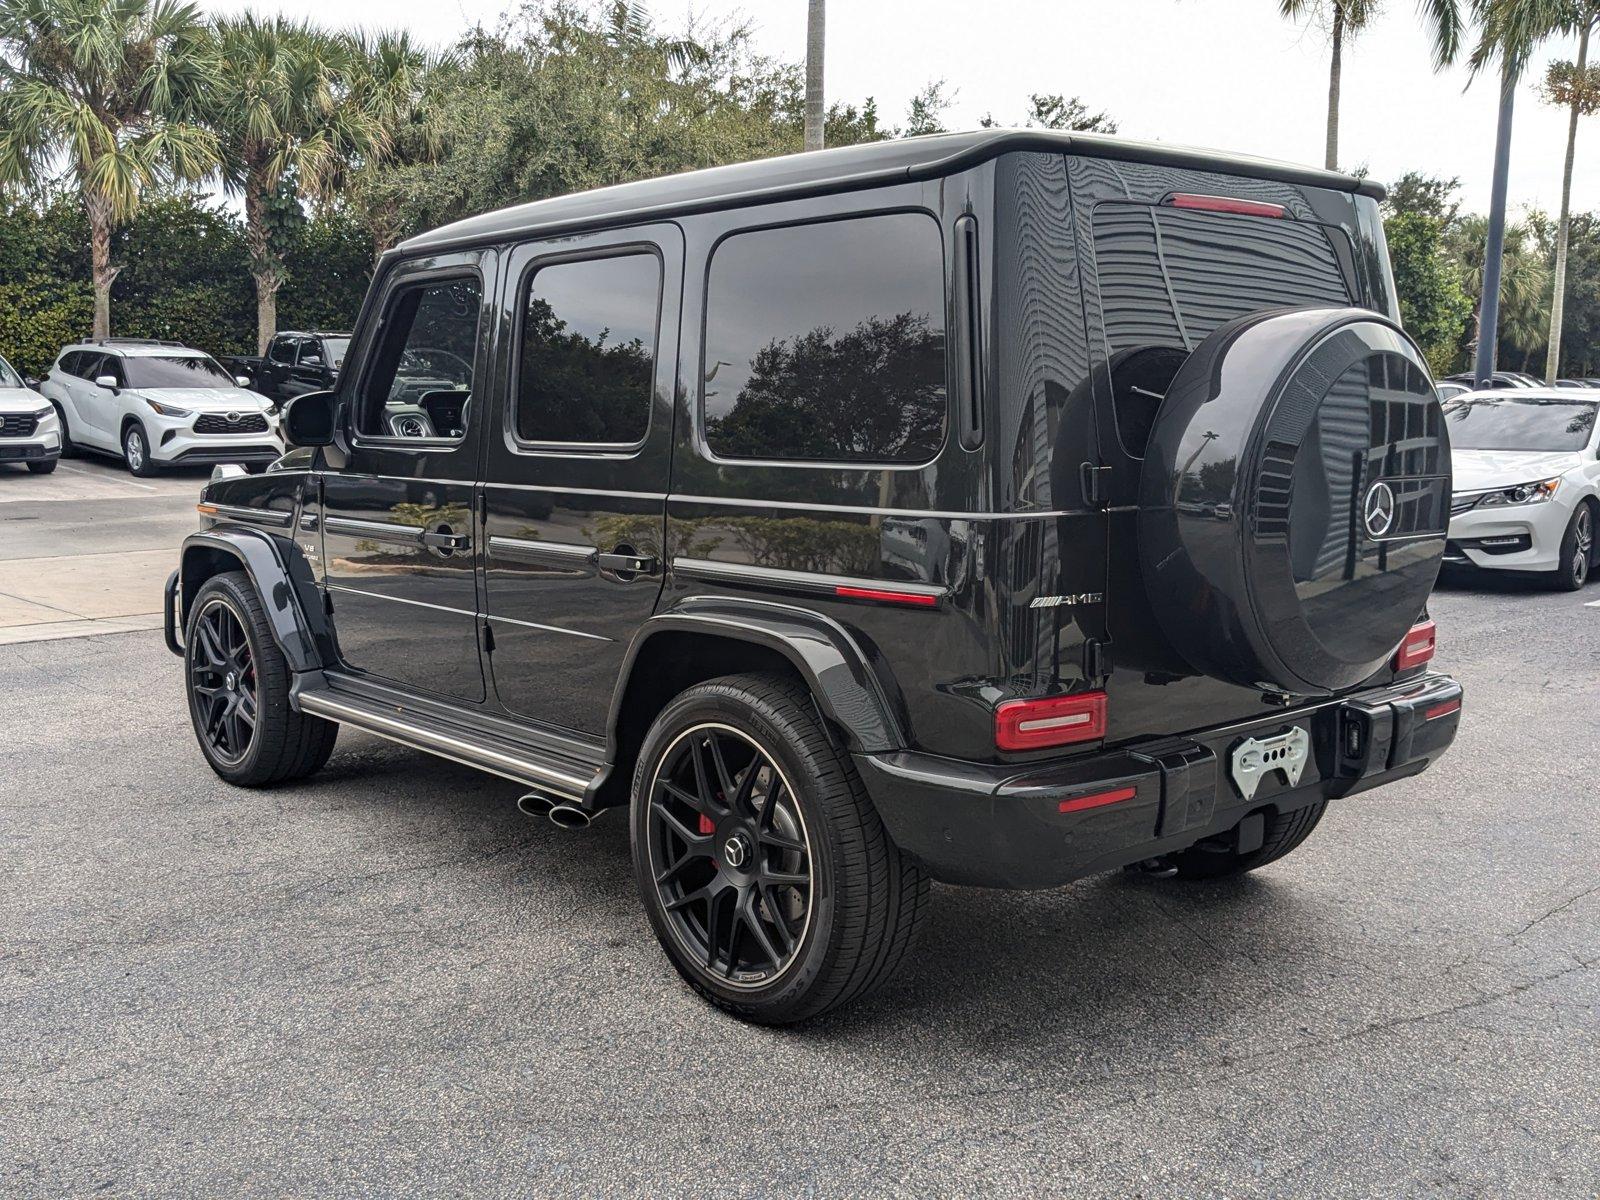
398,531
577,466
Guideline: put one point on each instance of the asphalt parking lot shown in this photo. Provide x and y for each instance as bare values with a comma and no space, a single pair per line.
386,980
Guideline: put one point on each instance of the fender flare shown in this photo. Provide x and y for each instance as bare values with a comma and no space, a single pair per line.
281,578
827,657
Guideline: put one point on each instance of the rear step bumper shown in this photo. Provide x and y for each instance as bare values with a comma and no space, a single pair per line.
1050,823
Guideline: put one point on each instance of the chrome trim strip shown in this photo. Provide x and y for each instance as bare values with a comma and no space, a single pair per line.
547,628
804,581
561,554
339,587
382,531
256,516
870,511
520,770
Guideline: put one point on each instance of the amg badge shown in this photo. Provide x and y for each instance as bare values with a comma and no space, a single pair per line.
1067,601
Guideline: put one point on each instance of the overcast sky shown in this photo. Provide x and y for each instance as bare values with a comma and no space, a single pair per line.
1223,73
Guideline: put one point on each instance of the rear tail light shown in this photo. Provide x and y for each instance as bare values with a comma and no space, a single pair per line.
1227,204
1051,721
1417,648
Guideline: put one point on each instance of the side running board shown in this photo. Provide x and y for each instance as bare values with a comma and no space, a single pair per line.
566,778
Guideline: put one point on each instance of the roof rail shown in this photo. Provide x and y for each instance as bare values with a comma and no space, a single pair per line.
128,341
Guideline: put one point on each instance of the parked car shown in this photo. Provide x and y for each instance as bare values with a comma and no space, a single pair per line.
1499,380
29,432
157,404
1449,391
1527,483
1093,373
295,363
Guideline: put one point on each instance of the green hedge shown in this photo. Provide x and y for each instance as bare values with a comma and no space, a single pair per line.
184,274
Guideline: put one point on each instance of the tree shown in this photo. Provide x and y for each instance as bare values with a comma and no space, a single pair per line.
1524,277
925,114
1345,18
1428,195
1051,110
1434,302
815,39
103,95
289,114
1577,86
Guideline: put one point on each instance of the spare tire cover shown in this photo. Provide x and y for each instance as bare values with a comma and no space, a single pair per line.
1294,499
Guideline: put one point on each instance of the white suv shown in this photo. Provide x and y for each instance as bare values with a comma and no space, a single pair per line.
29,432
158,404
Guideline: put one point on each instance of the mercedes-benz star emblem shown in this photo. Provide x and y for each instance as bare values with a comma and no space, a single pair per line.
1378,510
733,851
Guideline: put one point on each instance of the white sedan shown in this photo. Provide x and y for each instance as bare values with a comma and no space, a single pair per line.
1527,482
29,431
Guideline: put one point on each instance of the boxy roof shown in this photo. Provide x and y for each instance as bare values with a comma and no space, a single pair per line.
873,164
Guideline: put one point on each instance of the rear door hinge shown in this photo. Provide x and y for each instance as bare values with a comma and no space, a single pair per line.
488,638
327,601
1096,484
1096,658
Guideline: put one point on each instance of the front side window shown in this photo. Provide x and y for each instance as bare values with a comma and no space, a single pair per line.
185,371
8,376
421,381
826,342
587,350
282,351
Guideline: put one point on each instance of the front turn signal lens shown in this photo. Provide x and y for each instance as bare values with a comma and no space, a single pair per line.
1050,721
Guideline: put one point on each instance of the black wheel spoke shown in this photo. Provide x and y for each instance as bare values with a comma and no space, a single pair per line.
222,682
729,856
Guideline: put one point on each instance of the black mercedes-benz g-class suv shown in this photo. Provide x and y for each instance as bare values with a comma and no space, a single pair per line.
996,508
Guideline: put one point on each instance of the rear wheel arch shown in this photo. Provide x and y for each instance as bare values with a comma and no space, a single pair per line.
678,651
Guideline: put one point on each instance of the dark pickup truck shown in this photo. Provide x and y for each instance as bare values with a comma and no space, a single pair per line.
295,363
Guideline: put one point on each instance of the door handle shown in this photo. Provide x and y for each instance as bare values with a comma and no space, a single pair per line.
439,540
625,561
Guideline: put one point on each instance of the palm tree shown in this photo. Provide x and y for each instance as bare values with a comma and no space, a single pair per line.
388,74
816,114
1523,280
288,116
1345,18
1577,85
102,93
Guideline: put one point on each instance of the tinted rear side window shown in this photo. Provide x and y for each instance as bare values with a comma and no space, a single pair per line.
826,342
587,350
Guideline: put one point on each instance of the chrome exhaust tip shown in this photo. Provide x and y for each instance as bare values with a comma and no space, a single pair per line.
569,816
535,804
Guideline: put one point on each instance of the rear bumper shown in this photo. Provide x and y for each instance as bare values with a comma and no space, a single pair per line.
998,826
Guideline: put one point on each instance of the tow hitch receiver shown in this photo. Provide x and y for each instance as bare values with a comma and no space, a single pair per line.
1254,758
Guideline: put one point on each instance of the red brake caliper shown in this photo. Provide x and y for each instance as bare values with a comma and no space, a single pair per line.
707,825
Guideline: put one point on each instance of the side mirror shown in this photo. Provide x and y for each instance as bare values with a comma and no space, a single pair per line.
242,381
309,420
32,383
109,382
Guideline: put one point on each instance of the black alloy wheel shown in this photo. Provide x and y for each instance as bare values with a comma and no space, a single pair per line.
222,678
729,855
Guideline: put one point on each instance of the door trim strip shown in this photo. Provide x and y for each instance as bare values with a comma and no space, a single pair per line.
810,582
382,531
557,554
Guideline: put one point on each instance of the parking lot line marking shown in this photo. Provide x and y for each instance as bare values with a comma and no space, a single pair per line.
1593,604
149,487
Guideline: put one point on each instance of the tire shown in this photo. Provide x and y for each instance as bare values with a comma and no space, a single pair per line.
833,940
42,468
281,744
136,450
1577,550
1283,833
68,450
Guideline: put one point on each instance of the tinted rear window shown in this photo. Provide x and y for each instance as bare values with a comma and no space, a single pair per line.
826,342
1169,277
